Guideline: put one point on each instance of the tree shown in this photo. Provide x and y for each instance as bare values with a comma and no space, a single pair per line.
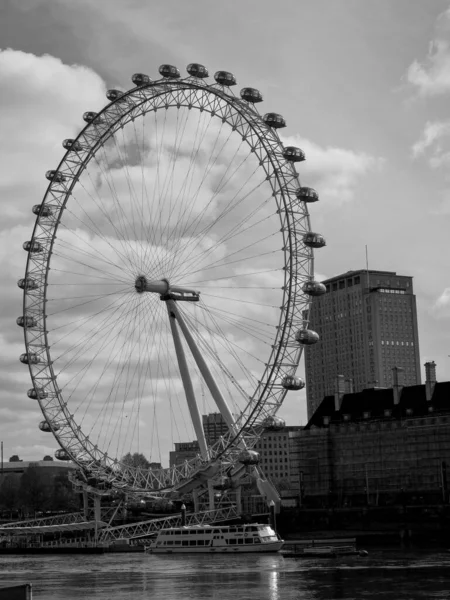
63,496
9,493
136,460
35,493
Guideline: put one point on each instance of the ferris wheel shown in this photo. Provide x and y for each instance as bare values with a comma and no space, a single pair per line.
169,276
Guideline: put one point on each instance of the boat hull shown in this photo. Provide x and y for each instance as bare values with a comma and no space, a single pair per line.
269,547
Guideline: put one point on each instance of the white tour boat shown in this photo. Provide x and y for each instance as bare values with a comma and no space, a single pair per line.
216,538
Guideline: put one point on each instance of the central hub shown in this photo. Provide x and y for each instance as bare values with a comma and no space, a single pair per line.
140,283
166,291
160,287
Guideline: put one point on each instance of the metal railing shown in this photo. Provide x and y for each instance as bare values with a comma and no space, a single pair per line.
147,528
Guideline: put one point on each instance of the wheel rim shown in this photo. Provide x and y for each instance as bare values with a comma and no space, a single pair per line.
93,247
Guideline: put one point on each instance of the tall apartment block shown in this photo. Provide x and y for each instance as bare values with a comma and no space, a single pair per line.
367,322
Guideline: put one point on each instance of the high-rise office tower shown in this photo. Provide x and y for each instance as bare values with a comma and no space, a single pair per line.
367,322
214,426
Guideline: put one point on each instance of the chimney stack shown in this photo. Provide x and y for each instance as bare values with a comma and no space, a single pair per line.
430,379
340,390
397,383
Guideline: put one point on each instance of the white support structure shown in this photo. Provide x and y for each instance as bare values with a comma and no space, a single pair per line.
204,369
146,528
187,384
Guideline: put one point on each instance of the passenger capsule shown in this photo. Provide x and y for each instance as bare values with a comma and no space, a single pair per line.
248,457
289,382
32,246
113,95
72,145
251,95
293,154
61,454
169,71
35,393
29,358
196,70
141,79
27,283
274,120
274,423
45,426
307,194
55,176
41,210
225,78
92,117
26,321
307,337
314,240
314,288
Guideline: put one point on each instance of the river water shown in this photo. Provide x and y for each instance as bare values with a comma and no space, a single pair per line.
388,574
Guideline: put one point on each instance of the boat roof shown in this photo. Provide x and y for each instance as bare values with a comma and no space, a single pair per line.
209,526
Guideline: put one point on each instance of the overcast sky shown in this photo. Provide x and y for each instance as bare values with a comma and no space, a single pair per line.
365,90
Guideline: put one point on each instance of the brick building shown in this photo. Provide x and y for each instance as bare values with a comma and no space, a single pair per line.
370,446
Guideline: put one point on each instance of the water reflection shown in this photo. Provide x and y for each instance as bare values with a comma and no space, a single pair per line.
273,585
383,575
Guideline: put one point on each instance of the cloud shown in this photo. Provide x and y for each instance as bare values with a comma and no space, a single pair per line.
432,135
43,105
441,307
432,76
434,143
334,172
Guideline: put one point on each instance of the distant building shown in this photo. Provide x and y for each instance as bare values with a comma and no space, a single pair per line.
47,469
367,322
183,451
278,456
214,426
155,466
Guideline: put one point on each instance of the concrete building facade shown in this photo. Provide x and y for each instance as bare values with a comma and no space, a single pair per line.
367,322
278,456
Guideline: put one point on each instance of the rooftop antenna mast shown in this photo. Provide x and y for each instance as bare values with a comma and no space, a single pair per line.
367,268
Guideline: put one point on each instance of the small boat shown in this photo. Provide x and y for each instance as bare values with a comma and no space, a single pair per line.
229,539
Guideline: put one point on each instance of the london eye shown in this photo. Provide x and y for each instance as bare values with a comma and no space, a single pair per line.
169,275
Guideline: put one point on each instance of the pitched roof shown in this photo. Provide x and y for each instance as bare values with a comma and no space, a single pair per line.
376,401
